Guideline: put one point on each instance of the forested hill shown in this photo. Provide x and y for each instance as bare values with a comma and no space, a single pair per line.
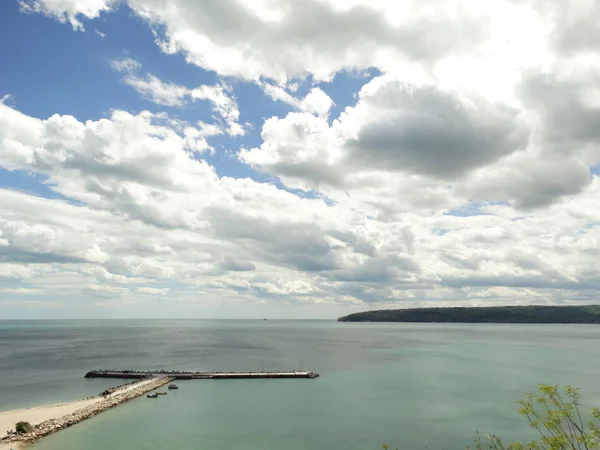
493,314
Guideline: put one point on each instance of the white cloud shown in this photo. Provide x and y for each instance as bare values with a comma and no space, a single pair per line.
68,10
157,91
170,94
288,39
317,37
17,271
481,44
315,102
127,65
195,137
5,98
224,104
479,131
149,86
395,127
152,291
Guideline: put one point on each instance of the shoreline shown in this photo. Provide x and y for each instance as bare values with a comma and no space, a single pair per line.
48,419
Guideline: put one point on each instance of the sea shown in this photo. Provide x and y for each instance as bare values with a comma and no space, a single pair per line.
411,386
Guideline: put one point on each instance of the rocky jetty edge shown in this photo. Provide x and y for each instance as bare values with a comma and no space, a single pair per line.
106,402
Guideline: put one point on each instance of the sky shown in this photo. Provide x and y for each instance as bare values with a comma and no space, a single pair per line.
287,159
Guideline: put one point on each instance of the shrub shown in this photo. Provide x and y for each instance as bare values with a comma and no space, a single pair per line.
23,427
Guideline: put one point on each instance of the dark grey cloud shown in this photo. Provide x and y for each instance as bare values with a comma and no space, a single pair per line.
14,255
462,263
396,129
357,243
432,132
314,171
237,265
292,244
567,137
569,119
574,24
377,270
533,282
545,184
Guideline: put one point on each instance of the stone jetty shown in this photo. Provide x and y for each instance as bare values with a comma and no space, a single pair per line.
184,375
107,402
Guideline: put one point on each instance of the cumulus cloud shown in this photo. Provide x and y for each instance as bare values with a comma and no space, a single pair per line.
396,127
224,104
171,94
68,10
113,161
157,91
317,37
528,180
429,131
323,37
565,101
562,104
479,131
575,29
208,225
315,102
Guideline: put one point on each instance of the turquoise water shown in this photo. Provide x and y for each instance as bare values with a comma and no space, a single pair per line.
410,385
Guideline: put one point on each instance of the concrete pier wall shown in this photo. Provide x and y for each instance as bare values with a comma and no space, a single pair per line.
180,375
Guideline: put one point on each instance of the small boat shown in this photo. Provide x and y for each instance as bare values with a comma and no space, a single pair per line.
155,395
161,393
173,386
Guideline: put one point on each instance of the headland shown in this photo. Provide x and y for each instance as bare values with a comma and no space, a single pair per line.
588,314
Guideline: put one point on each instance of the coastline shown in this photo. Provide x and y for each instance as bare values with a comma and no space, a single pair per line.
48,419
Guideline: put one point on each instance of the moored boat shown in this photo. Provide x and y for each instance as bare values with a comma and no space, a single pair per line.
161,393
155,395
173,386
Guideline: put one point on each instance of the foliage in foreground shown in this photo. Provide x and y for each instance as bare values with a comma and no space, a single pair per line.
555,414
23,427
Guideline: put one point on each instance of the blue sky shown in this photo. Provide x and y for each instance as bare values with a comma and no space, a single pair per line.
173,159
84,84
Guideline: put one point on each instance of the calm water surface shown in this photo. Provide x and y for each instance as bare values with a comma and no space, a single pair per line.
410,385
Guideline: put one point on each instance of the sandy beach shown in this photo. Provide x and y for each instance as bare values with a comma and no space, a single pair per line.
38,414
13,446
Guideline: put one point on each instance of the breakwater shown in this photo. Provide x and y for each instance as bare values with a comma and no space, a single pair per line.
116,389
114,399
182,375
